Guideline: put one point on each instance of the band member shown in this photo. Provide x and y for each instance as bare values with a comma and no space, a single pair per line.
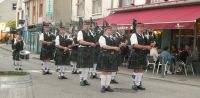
122,42
74,53
93,71
138,57
85,53
62,55
47,42
109,52
17,46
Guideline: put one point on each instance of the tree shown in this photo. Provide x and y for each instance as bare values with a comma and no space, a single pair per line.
11,24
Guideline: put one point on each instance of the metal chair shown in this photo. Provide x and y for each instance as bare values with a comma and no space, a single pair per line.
150,61
188,63
161,62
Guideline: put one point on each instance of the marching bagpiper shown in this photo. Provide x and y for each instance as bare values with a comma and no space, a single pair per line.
62,55
108,58
47,52
93,71
122,42
138,57
17,46
74,53
85,53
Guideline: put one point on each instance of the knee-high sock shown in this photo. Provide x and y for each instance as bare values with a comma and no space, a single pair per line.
133,77
113,75
61,71
74,68
94,69
86,73
82,74
103,80
108,79
140,77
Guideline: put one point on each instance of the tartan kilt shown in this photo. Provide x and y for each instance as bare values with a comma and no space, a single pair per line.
108,61
74,55
16,55
137,60
46,54
85,57
96,54
62,58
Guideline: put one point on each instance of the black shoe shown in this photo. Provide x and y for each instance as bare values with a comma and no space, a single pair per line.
94,76
74,72
82,83
43,72
86,83
141,88
16,69
109,89
103,89
48,72
63,77
60,77
114,82
135,87
20,69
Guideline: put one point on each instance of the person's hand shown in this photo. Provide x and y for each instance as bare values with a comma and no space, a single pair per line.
153,44
116,48
65,49
93,44
148,47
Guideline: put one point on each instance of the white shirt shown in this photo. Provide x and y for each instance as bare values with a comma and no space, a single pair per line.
102,41
42,36
133,39
57,41
80,36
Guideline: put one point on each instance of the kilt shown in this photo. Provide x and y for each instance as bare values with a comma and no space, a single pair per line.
62,58
85,57
16,55
137,60
46,54
96,53
74,54
108,61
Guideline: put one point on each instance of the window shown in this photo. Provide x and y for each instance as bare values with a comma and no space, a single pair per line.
41,10
123,3
97,6
80,7
22,16
14,6
157,1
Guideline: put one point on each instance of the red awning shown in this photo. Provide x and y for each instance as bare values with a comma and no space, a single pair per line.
165,18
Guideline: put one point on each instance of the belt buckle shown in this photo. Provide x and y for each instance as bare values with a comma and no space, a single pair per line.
112,52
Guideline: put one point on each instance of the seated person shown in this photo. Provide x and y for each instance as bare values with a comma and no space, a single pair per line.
167,57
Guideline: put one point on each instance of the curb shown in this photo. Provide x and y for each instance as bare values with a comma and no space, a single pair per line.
165,80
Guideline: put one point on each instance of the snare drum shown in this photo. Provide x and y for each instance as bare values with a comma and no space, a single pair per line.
24,55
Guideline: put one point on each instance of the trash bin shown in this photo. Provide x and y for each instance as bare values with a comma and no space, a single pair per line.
15,85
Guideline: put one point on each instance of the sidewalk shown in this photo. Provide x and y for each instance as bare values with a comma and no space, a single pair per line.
179,79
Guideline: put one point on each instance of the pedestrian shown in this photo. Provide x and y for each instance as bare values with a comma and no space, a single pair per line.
85,53
62,55
17,46
47,42
109,51
138,57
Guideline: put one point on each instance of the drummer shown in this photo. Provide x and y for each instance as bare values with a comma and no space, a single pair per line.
17,46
